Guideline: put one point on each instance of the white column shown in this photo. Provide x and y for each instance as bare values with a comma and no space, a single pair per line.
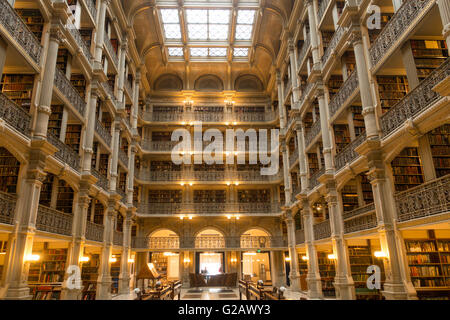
90,129
115,156
124,277
313,33
326,139
294,274
294,77
287,175
281,108
104,278
100,34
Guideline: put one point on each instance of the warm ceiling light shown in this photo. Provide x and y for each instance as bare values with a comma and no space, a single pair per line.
234,123
227,153
287,259
113,259
250,253
130,260
227,123
380,254
169,254
183,123
228,217
236,183
190,217
331,257
190,183
236,153
32,257
181,183
237,217
187,260
305,258
84,259
181,217
228,183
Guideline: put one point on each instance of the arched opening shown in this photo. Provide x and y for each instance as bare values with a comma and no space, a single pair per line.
209,239
164,239
255,238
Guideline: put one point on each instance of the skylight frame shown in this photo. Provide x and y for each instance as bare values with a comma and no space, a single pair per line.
203,24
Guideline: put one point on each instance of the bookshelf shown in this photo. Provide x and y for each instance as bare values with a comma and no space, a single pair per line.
358,120
349,197
429,266
86,34
33,19
428,55
64,201
167,109
439,140
161,136
9,171
350,62
115,272
334,84
79,83
341,136
103,164
160,262
89,275
391,89
313,163
366,189
61,60
55,120
73,136
123,181
327,271
407,170
45,197
361,257
94,154
209,196
164,196
18,88
254,196
98,213
45,277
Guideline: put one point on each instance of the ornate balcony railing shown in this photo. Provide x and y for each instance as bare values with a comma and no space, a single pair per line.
159,146
14,115
296,189
209,208
65,153
80,41
255,116
312,133
293,157
417,101
91,8
162,116
160,208
363,218
322,8
306,91
304,49
322,230
254,175
208,116
158,175
117,238
313,180
163,242
428,199
67,90
19,31
7,207
300,236
54,221
111,94
396,28
348,154
110,49
206,175
102,181
94,232
122,194
128,88
345,92
103,133
287,88
209,242
337,37
123,157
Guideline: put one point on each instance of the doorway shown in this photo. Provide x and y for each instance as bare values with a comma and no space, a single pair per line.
256,266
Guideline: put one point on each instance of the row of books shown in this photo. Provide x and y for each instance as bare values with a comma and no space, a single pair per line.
422,258
406,170
420,246
439,139
409,179
424,283
424,271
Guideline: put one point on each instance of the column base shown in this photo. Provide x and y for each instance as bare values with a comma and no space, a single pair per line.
124,285
295,282
345,289
394,291
314,288
19,293
104,290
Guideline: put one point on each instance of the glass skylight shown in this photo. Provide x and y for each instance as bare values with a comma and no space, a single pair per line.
209,52
240,52
208,24
176,52
171,24
244,24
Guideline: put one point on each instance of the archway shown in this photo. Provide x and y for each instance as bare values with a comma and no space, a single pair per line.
209,239
163,239
255,238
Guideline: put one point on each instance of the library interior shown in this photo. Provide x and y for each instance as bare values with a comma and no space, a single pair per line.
94,207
